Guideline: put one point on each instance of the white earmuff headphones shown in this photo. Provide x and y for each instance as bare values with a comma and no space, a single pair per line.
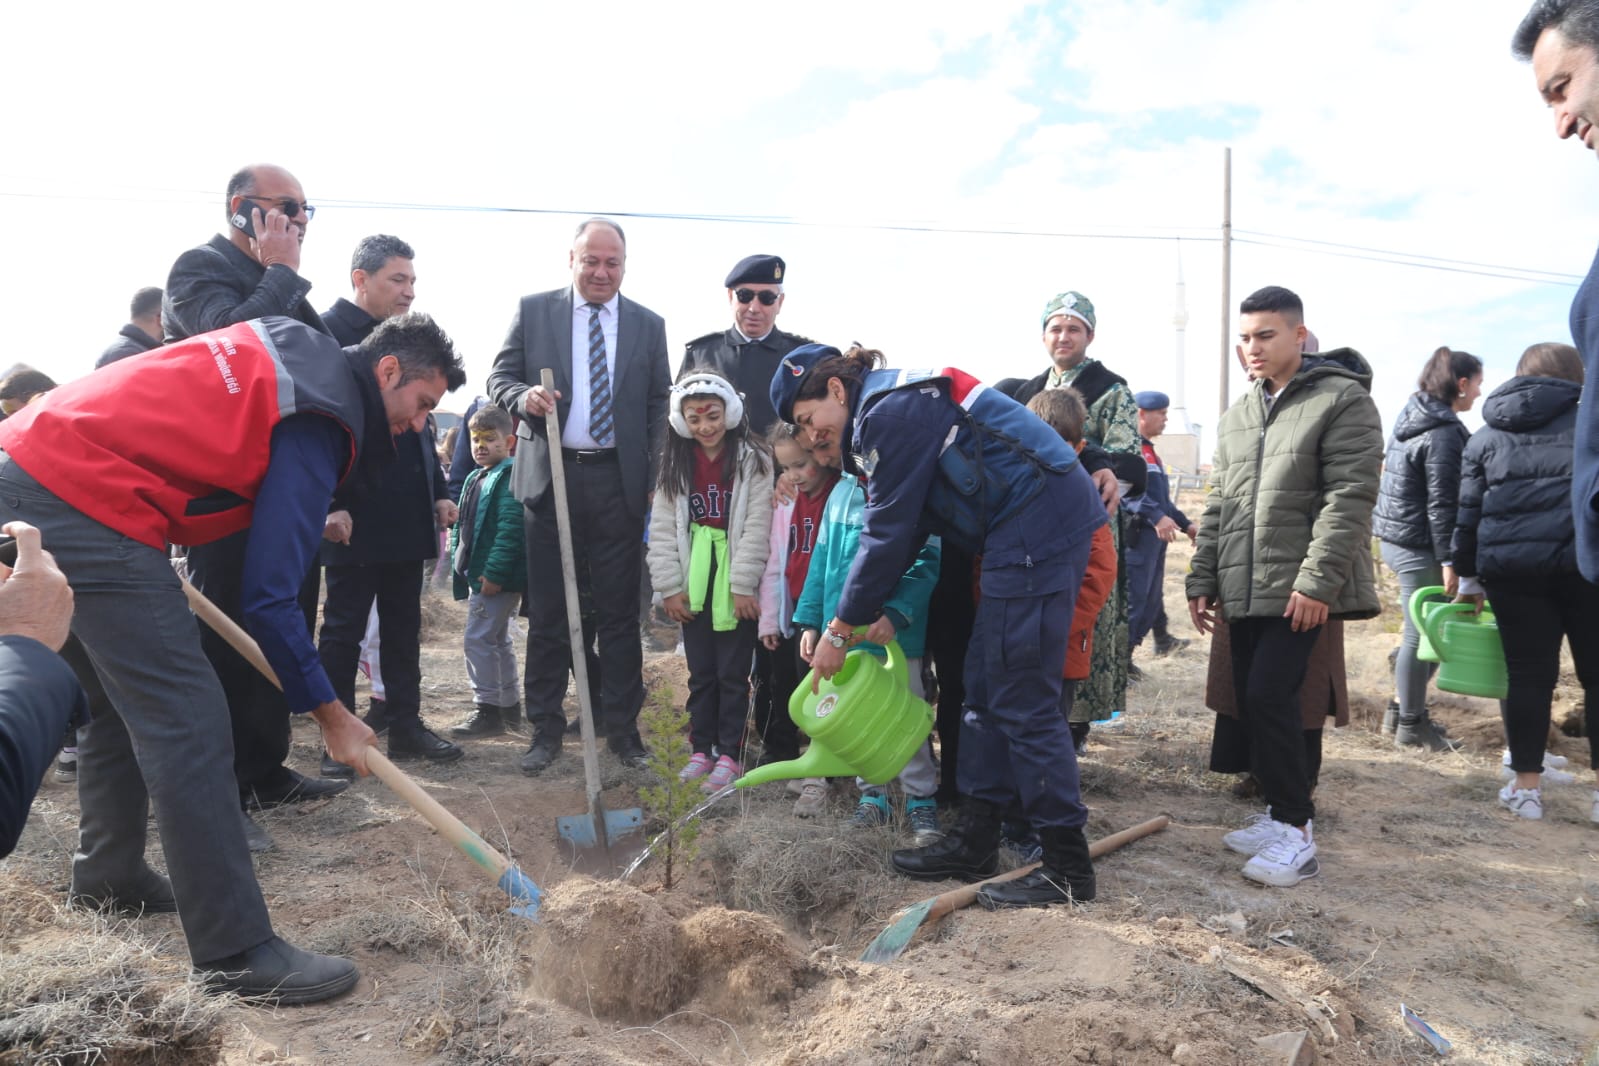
704,385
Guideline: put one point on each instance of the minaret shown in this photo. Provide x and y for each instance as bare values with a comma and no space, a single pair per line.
1177,417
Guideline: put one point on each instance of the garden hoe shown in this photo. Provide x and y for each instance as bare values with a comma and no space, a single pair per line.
507,874
603,841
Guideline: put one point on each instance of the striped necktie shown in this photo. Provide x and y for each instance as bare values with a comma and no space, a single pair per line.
601,421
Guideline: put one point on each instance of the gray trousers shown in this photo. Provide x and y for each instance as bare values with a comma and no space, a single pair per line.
1416,570
168,744
490,657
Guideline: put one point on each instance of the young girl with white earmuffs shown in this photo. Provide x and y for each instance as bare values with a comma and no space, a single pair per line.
709,539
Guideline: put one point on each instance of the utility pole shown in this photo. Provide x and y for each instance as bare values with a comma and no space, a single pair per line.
1226,285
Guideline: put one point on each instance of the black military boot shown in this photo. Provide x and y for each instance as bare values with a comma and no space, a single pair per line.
1066,875
512,717
484,721
968,852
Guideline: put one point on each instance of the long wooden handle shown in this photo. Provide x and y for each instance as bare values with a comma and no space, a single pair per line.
966,895
574,612
449,826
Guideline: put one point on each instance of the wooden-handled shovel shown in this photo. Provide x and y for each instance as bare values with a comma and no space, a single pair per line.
506,873
892,941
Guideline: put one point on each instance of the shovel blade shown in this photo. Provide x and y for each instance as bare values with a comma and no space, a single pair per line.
603,841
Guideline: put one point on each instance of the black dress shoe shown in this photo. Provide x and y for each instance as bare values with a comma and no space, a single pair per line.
332,767
484,721
418,742
278,972
543,751
1167,645
148,893
257,839
292,787
631,752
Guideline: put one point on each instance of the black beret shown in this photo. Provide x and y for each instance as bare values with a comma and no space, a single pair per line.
759,269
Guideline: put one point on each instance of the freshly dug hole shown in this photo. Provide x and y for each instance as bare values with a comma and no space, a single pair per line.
607,949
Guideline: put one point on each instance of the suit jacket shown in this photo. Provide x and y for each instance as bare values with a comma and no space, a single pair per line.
541,336
216,285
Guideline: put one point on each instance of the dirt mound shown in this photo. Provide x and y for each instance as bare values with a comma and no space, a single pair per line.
607,949
739,961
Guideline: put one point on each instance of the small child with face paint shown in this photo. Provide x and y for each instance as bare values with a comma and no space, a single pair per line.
488,561
795,525
710,528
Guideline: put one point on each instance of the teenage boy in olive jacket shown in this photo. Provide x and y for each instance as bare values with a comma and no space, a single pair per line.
1285,545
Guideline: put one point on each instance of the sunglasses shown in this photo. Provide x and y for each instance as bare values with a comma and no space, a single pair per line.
766,296
290,208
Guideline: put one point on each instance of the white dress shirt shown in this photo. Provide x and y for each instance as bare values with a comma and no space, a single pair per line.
575,430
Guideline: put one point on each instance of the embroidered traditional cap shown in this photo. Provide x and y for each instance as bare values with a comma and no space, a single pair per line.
1070,303
790,374
757,270
1151,400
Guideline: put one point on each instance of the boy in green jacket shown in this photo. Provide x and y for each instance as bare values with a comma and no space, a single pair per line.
1285,545
489,565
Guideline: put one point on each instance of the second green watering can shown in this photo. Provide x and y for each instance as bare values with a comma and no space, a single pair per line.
863,722
1425,600
1471,658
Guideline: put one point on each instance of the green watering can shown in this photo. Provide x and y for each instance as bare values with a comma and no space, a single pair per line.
1426,599
863,722
1471,658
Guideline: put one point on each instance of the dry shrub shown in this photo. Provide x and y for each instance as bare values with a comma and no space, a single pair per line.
607,949
96,997
740,961
816,877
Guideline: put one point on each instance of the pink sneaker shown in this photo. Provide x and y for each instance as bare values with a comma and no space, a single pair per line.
726,772
697,767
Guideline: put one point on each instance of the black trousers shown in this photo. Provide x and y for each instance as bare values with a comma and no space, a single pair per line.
1229,749
608,553
950,615
259,717
1269,662
780,737
1534,613
397,588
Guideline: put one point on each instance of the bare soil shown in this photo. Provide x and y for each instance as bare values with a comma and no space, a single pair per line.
1429,895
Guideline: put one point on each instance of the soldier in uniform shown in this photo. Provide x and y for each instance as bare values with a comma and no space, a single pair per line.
747,354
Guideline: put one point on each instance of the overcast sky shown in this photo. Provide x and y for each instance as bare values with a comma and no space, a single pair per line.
932,171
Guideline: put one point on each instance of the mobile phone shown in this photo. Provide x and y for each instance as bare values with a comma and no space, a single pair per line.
8,550
243,219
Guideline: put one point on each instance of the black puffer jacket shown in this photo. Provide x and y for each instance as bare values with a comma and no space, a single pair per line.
1421,478
1515,483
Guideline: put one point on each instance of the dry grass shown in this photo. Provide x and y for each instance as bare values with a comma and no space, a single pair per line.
105,994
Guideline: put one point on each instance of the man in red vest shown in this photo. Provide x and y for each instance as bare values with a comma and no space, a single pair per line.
250,427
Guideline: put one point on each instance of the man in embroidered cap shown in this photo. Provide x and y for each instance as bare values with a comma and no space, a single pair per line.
1117,466
1153,521
747,354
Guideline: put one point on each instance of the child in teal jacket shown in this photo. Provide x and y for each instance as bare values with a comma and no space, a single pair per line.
904,619
488,563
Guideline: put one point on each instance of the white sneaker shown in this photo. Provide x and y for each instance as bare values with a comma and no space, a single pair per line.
1525,802
1260,831
1550,776
1594,814
1288,858
1550,762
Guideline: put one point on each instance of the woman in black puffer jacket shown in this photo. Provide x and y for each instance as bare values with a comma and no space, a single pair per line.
1415,519
1514,541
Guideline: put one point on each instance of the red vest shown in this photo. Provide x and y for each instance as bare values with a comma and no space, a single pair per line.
172,445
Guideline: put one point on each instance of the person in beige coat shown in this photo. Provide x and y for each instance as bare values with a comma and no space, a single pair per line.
710,531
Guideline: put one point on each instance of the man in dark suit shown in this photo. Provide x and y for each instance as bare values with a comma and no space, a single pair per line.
608,355
381,532
233,277
142,333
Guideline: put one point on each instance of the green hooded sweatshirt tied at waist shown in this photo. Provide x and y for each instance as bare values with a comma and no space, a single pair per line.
1292,488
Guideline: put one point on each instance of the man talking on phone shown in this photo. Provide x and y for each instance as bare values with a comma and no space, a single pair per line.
250,270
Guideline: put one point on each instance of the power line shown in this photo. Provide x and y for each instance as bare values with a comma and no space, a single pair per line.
1507,273
1415,258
